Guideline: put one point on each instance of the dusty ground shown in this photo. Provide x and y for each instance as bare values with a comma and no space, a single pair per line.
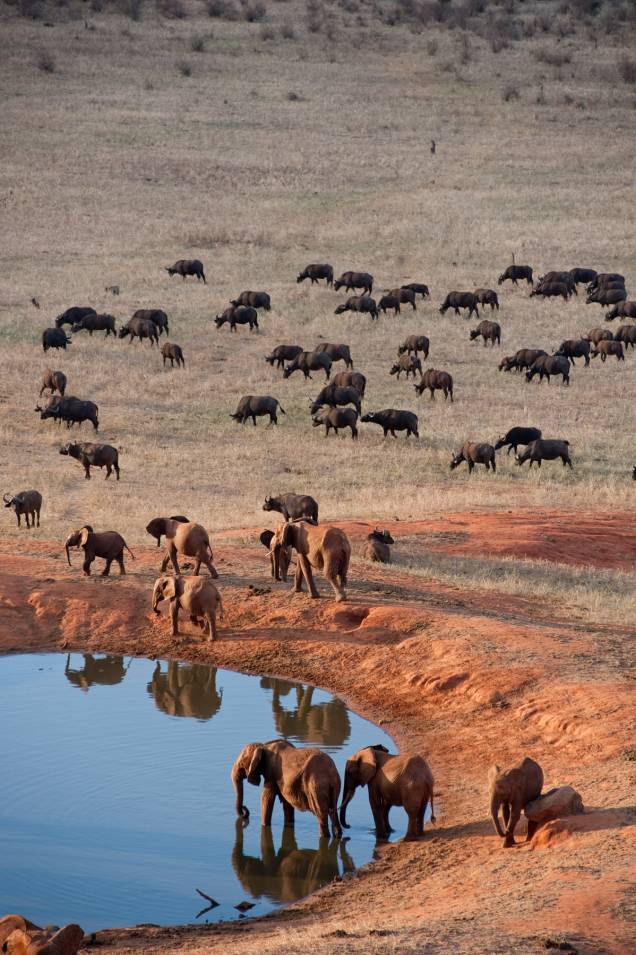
465,676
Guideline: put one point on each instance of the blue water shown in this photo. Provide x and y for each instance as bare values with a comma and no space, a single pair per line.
116,799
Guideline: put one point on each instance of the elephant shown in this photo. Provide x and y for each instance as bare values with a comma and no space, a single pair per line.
197,596
291,873
324,723
156,527
108,545
404,780
188,540
186,689
303,779
324,548
107,670
280,572
512,789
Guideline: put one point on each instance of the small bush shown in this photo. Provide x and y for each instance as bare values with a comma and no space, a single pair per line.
149,85
254,11
432,46
287,30
184,68
497,43
131,8
197,43
556,58
46,62
627,69
267,32
223,9
315,16
541,100
510,92
31,9
173,9
97,6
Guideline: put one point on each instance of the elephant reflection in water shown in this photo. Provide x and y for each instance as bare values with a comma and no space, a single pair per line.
186,689
291,873
105,671
324,724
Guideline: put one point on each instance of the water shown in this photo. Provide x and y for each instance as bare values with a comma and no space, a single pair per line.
116,799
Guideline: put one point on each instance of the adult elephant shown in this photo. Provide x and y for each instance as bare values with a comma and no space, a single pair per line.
326,724
186,689
319,547
511,789
404,780
303,779
184,539
197,596
109,545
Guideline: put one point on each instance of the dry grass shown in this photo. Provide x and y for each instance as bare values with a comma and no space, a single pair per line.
121,165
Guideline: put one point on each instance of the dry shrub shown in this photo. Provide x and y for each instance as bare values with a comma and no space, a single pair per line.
510,92
287,30
172,9
627,69
314,16
497,43
184,68
267,32
31,9
46,62
223,9
254,10
432,46
556,58
129,8
197,43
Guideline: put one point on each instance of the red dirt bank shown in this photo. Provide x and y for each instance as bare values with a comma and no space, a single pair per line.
465,677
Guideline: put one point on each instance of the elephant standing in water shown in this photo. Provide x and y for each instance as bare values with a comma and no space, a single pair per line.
186,689
323,724
303,779
104,671
291,873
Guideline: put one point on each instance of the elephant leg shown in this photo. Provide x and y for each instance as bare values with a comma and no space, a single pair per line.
505,812
172,554
515,813
120,561
332,573
211,618
174,616
212,569
268,798
86,566
106,570
164,562
413,828
298,578
308,575
532,828
288,812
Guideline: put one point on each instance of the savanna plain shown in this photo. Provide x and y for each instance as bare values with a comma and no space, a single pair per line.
259,138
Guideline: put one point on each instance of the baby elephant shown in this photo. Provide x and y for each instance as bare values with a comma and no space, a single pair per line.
108,545
197,596
512,789
279,572
378,547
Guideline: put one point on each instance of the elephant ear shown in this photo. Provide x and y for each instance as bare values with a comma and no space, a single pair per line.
254,770
288,535
169,587
367,766
266,538
84,534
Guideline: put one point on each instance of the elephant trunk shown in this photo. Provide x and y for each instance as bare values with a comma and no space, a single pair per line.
347,796
156,598
276,556
494,812
68,554
238,775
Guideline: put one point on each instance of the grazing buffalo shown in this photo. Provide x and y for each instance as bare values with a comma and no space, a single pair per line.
353,280
547,365
53,381
350,379
522,359
545,450
255,406
487,296
457,300
316,272
140,328
473,453
489,331
404,295
624,309
334,395
407,363
337,353
583,276
73,315
27,503
336,418
238,315
419,288
94,455
392,420
359,303
72,410
604,278
309,361
552,290
253,300
516,436
607,348
627,335
415,343
283,353
598,334
173,352
388,302
435,380
185,267
54,338
515,273
378,547
96,323
575,348
550,278
293,507
156,315
609,296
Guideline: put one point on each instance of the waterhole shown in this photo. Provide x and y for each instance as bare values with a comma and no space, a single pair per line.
117,803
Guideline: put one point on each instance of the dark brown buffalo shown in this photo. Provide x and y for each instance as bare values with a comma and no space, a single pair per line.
547,365
602,278
598,334
624,309
96,323
309,361
94,455
353,280
337,353
54,338
487,296
350,379
516,436
72,410
378,547
73,315
605,349
610,296
546,450
457,300
27,503
407,363
419,288
515,273
185,267
293,507
627,335
140,328
253,300
255,406
405,296
283,353
334,395
575,348
316,272
336,418
238,315
156,315
583,276
415,343
550,278
552,290
473,453
435,380
392,420
359,303
53,381
173,352
388,302
489,331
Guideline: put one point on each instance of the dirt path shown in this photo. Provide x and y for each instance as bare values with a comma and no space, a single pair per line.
466,678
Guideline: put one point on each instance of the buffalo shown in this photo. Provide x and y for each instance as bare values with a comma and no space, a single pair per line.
392,420
316,272
419,288
407,363
545,450
457,300
94,455
515,273
603,278
27,503
627,335
54,338
435,380
309,361
583,276
389,301
547,365
140,328
609,296
516,436
337,353
415,344
575,348
353,280
598,334
378,547
475,453
73,315
350,379
558,277
487,296
255,406
359,303
96,323
173,352
238,315
156,315
53,381
283,353
72,410
334,395
552,290
185,267
522,359
336,418
253,300
489,331
624,309
293,507
607,348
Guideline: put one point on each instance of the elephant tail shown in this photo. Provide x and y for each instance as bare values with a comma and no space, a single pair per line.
129,551
433,817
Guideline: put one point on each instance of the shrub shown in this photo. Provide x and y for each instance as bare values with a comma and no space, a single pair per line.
32,9
184,68
556,58
46,62
432,46
254,11
315,15
223,9
541,100
131,8
627,69
173,9
497,43
267,32
287,30
197,43
510,92
149,85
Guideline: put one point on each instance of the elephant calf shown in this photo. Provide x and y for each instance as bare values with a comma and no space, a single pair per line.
319,547
404,780
184,538
512,789
109,545
197,596
278,572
